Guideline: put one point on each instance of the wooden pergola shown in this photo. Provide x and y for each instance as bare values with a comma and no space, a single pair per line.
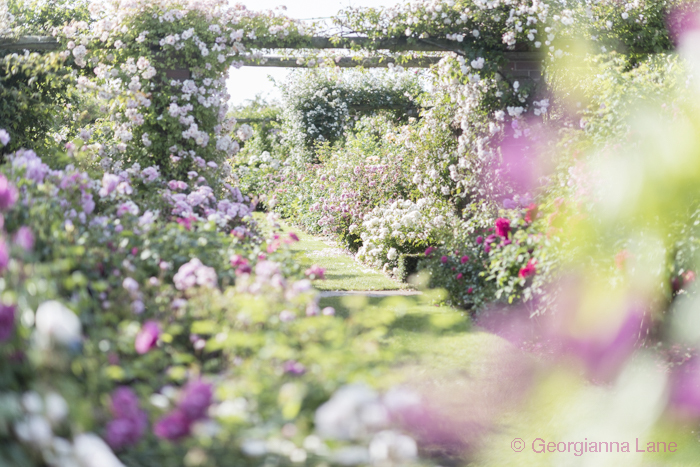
47,43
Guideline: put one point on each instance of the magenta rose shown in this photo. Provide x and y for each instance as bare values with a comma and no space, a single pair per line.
147,338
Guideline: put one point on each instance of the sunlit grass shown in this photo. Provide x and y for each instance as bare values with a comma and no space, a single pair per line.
342,271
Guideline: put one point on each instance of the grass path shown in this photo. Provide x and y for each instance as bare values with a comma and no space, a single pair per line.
437,349
342,271
427,336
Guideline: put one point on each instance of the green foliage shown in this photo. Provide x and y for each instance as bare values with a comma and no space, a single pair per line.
265,120
319,105
43,17
39,101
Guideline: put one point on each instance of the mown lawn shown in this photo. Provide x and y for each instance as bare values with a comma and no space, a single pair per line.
436,348
342,271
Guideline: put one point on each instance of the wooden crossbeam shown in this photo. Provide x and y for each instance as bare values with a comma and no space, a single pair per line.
32,43
41,43
47,43
401,44
343,62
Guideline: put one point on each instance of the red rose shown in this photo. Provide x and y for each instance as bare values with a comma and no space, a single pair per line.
529,269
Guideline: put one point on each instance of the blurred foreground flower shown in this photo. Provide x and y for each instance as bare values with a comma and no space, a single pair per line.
4,137
7,321
602,347
8,194
24,238
130,421
91,451
530,269
315,272
173,426
147,338
684,400
194,273
55,322
195,400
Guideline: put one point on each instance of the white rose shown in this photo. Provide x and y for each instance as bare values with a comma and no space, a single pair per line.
55,321
56,407
35,429
91,451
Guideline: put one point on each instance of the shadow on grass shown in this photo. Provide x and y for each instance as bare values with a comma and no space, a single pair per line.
435,338
414,313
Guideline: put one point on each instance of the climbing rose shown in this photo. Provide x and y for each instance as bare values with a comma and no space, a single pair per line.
528,270
443,260
502,227
429,250
147,338
464,259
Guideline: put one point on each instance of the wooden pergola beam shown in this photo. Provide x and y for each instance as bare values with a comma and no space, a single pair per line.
401,44
47,43
343,62
33,43
394,45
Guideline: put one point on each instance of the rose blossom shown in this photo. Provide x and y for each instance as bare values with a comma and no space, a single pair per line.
147,338
502,227
529,269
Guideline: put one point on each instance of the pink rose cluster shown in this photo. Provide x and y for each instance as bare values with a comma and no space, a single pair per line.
194,273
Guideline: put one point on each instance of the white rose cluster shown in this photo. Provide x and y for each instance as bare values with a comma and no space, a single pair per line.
357,415
41,418
208,33
387,230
